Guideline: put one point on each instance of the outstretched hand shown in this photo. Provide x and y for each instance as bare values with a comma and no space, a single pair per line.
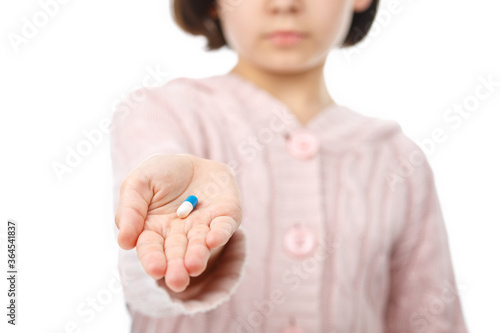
146,217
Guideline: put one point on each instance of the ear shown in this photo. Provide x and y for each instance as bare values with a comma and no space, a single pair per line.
362,5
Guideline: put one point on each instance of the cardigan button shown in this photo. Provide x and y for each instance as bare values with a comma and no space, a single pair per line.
299,241
303,144
292,329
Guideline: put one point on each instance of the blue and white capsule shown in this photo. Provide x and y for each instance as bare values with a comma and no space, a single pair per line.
187,206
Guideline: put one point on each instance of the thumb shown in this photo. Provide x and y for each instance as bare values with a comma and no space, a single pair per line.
135,196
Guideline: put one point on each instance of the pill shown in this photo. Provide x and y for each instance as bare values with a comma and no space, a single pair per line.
187,206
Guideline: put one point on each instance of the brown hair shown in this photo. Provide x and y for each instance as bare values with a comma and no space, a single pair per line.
197,18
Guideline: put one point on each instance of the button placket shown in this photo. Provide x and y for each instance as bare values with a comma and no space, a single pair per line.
299,226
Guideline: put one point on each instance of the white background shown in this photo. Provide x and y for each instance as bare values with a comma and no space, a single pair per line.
415,64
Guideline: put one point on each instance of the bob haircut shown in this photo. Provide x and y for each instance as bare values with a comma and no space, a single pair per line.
193,16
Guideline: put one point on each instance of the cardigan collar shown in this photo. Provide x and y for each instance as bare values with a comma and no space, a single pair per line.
337,126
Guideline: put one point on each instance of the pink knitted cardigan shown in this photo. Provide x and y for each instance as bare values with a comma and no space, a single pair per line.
361,199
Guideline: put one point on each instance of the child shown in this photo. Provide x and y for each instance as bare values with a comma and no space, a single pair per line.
311,216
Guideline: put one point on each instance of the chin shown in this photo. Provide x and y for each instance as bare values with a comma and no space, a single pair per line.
286,63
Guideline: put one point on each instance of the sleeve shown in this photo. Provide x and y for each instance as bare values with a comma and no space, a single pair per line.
423,292
159,122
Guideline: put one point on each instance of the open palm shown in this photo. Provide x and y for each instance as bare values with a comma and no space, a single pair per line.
146,215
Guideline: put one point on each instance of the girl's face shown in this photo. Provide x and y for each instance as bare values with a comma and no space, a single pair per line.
321,25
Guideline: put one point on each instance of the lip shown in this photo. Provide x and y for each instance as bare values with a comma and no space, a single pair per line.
285,37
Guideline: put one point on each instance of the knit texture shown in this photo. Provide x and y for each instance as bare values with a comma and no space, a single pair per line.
381,260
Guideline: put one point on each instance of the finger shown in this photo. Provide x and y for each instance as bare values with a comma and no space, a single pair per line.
177,277
135,196
151,254
197,253
221,229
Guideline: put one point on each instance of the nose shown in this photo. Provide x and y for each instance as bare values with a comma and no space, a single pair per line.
284,6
